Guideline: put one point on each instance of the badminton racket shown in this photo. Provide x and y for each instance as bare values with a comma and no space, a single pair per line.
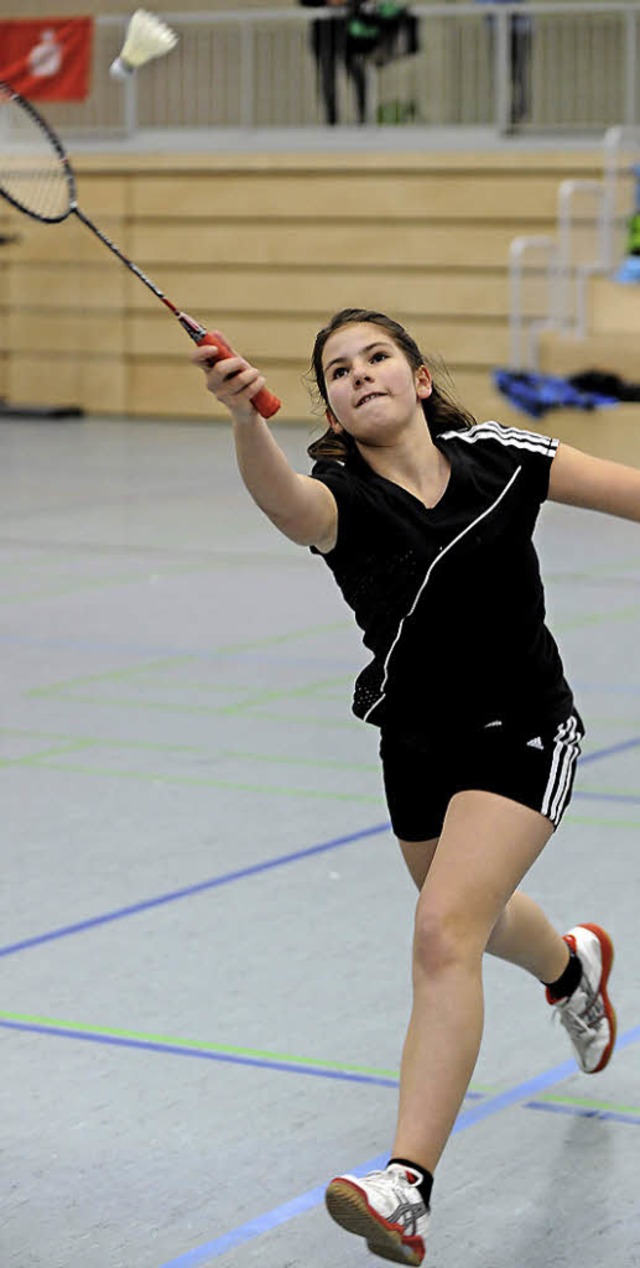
36,177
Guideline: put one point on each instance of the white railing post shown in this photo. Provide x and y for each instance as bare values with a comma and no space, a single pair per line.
130,105
616,140
517,252
612,138
561,281
568,290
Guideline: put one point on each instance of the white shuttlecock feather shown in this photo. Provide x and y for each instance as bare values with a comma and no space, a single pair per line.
147,37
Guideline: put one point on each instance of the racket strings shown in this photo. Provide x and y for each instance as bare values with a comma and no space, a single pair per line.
32,173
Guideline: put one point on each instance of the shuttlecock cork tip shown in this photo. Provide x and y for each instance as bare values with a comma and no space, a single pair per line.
120,69
147,37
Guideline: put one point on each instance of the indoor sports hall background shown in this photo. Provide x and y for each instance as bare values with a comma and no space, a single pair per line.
205,926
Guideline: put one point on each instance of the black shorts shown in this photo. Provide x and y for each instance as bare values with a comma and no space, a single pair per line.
423,772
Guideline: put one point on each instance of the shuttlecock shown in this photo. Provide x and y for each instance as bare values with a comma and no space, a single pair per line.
147,37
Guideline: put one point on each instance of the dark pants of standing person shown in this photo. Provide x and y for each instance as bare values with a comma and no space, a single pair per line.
331,49
520,50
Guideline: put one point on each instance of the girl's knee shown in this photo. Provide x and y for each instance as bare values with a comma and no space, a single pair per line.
444,938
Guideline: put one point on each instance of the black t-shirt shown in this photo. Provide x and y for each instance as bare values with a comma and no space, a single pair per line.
450,598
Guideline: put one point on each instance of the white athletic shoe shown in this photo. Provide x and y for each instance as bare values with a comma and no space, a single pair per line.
384,1207
588,1015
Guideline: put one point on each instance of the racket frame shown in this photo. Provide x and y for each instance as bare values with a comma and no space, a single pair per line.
6,91
265,402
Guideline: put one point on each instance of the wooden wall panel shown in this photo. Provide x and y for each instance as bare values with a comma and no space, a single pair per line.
67,286
96,384
319,290
217,196
68,241
266,247
292,242
614,306
101,194
613,353
484,343
176,390
72,333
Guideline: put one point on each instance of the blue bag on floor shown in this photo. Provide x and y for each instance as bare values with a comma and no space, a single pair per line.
535,394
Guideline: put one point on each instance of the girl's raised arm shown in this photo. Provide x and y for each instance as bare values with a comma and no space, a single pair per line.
303,509
579,479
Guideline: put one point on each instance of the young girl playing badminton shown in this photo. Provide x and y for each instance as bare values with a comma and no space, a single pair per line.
426,519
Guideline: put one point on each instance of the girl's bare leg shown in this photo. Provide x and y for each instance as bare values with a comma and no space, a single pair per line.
487,845
522,934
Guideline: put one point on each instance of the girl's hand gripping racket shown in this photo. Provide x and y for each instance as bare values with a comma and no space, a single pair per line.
37,178
264,401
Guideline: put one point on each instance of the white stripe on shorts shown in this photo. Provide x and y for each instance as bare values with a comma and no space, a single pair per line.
565,755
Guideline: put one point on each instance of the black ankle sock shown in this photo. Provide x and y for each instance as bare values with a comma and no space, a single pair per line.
426,1183
567,982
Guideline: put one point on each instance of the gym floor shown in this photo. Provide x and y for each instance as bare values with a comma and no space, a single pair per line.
205,921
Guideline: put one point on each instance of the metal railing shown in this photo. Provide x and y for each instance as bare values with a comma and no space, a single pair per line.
522,67
549,275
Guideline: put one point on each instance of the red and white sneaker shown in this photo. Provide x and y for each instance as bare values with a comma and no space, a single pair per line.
384,1207
588,1015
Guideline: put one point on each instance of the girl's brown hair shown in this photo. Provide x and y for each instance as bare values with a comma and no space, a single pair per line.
441,411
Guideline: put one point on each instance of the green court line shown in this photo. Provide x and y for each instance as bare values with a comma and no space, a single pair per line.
586,1103
101,741
317,686
32,759
611,720
197,1045
166,706
130,702
227,649
592,821
278,790
110,675
288,693
95,741
188,781
562,575
42,593
251,701
256,1054
205,710
347,722
599,618
329,763
71,744
51,551
608,792
37,590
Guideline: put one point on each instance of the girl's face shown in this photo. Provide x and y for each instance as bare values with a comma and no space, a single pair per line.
373,391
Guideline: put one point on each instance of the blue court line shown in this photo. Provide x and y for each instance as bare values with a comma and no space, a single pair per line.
227,1058
314,1197
603,1116
292,1066
189,890
215,882
599,753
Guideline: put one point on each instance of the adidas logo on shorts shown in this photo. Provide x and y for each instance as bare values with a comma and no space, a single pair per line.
535,743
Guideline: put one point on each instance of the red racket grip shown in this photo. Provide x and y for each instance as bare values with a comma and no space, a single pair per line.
265,402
